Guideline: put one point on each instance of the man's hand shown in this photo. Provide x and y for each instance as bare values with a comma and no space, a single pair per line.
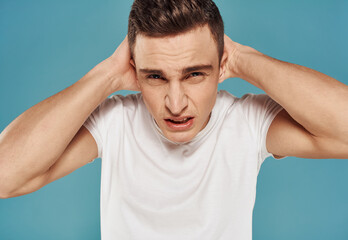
124,75
231,58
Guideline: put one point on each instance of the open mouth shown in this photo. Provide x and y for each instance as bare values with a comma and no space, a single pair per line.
179,124
185,120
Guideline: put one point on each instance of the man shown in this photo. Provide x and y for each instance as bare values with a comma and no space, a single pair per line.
180,160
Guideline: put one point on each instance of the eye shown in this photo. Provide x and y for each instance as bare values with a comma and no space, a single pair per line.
155,80
154,76
196,74
196,77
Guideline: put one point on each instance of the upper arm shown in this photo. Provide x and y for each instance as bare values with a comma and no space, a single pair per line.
286,137
80,151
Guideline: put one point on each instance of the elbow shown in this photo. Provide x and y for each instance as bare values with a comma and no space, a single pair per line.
12,194
4,195
8,190
9,183
5,192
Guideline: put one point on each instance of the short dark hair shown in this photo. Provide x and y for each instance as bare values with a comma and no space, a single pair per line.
159,18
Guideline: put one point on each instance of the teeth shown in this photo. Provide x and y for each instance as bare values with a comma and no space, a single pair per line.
182,121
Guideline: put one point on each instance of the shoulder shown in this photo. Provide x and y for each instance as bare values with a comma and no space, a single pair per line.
259,104
117,105
120,101
253,99
225,96
224,100
257,110
247,101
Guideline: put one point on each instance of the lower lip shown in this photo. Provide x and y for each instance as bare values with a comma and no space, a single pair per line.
181,126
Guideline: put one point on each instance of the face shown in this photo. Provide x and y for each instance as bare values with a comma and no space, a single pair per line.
178,77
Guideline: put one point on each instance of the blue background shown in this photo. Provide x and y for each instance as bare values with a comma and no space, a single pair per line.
45,46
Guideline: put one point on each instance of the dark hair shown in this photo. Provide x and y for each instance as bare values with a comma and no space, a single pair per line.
159,18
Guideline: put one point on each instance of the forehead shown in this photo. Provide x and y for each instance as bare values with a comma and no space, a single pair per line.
196,47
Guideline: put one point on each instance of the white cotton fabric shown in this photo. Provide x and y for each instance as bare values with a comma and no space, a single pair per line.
152,188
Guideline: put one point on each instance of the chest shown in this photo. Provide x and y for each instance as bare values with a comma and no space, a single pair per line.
160,188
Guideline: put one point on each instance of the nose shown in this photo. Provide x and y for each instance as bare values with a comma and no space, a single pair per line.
176,99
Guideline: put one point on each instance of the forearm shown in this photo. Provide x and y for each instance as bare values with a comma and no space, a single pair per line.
32,143
315,100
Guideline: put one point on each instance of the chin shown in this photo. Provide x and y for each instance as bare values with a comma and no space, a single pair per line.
179,137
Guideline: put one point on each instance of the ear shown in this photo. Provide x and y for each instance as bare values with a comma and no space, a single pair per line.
132,62
223,65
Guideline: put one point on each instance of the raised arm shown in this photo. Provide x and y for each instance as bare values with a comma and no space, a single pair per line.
47,141
314,123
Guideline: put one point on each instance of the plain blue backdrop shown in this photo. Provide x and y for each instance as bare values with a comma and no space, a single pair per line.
46,45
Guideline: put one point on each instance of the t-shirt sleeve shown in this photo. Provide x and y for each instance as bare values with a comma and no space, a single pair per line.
97,122
260,110
93,125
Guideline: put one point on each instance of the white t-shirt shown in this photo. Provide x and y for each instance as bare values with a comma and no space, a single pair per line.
152,188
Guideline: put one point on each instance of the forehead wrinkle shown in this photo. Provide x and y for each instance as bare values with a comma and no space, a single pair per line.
173,53
170,49
158,61
165,48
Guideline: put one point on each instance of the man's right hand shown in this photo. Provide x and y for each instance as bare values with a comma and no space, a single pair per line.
123,71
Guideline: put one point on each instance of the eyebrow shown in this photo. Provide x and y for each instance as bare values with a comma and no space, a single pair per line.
184,71
197,68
